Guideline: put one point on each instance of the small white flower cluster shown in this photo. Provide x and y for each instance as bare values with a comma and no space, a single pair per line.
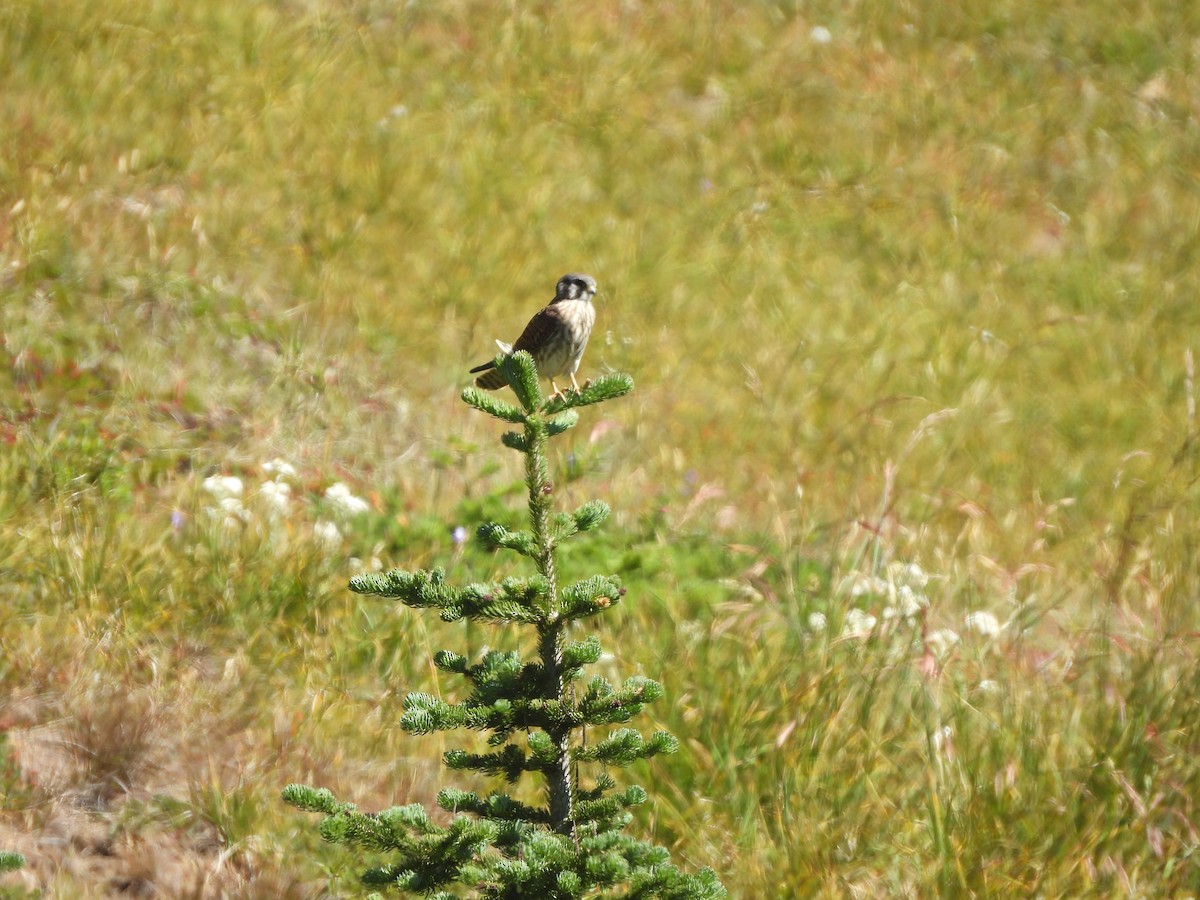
902,585
345,505
909,604
226,491
276,494
276,497
942,641
273,496
900,623
222,486
981,622
859,623
327,534
279,469
273,502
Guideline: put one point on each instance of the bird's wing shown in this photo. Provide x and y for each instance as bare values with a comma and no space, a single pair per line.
544,322
539,329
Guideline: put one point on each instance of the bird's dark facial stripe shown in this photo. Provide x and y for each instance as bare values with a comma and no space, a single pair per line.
573,287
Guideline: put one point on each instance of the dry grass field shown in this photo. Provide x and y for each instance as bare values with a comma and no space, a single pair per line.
905,499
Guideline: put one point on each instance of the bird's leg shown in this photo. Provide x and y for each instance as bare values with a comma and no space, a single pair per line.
574,382
557,393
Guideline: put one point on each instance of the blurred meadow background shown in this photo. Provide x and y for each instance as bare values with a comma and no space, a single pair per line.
905,499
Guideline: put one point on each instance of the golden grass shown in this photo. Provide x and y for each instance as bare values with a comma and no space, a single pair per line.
921,293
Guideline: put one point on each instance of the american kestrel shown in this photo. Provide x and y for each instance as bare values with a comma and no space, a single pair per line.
556,336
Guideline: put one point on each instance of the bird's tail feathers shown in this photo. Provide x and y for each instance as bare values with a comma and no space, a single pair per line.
504,348
492,380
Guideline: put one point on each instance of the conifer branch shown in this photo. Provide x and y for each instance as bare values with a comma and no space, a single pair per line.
419,590
591,596
612,808
581,653
556,425
606,387
500,538
602,704
515,441
497,807
510,762
626,746
521,375
425,714
448,661
487,402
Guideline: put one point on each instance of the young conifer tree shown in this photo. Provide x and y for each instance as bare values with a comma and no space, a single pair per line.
535,714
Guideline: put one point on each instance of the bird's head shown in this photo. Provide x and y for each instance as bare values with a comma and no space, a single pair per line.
574,286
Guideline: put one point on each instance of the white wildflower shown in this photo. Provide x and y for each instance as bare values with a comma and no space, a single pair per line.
279,468
820,35
326,534
941,641
858,622
342,500
231,512
222,486
909,602
868,584
909,574
984,623
988,686
277,497
233,509
816,622
905,612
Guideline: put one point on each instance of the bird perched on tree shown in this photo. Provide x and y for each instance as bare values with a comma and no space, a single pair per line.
556,336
